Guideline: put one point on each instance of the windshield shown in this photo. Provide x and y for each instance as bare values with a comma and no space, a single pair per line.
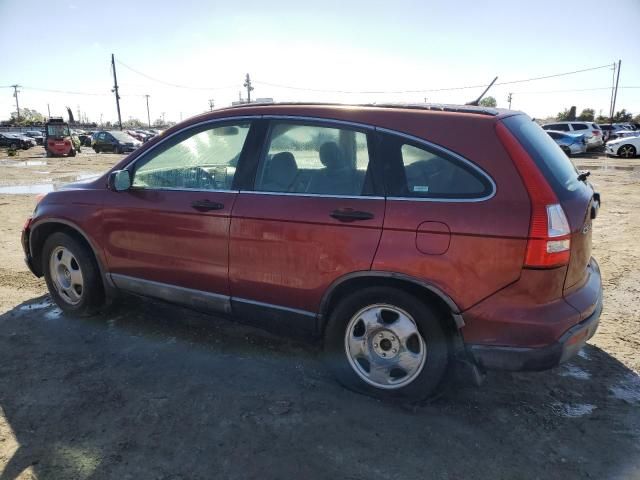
58,130
122,136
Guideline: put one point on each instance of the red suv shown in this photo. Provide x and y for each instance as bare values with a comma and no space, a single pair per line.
405,237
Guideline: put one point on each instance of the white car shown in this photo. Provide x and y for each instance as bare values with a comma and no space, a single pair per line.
590,130
627,147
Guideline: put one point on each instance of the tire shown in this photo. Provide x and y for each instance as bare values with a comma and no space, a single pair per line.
49,154
413,367
566,151
117,150
96,149
72,275
72,152
627,151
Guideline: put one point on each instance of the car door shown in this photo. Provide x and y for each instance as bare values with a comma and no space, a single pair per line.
167,235
312,215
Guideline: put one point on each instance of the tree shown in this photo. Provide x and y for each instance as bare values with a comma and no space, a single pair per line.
488,102
132,123
562,116
27,117
636,119
622,116
587,115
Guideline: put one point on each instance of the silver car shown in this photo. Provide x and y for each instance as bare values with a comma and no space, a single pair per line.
570,143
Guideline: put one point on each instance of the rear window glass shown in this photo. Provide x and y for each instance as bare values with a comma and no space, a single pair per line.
579,126
552,161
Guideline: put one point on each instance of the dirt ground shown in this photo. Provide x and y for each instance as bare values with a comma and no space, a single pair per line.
154,391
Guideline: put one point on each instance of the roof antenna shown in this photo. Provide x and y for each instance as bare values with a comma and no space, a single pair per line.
476,102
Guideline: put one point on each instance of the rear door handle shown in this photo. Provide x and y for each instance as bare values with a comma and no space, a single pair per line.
349,215
206,205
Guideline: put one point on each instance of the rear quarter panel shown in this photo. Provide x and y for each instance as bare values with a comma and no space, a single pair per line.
488,238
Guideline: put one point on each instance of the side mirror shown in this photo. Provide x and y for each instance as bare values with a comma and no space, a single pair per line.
119,181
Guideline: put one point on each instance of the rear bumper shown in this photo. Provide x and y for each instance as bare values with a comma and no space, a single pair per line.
535,359
519,358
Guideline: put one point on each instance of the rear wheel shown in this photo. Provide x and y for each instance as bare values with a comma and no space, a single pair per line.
627,151
96,149
72,275
72,152
387,343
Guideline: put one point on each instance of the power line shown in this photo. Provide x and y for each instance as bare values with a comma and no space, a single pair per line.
175,85
290,87
524,92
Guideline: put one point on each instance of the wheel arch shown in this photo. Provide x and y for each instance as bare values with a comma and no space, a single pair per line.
423,290
41,230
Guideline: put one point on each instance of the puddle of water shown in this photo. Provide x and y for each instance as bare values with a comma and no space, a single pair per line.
572,410
628,168
36,306
23,163
32,189
53,314
628,389
46,187
574,371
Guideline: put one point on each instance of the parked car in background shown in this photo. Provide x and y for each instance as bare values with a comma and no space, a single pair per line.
570,143
83,137
10,141
36,135
114,141
407,239
626,147
591,131
25,138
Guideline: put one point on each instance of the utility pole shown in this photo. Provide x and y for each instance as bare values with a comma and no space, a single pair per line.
148,116
613,87
211,104
15,94
509,99
247,83
79,116
163,118
48,111
115,89
615,95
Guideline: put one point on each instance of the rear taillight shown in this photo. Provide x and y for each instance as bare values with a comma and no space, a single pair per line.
597,133
549,240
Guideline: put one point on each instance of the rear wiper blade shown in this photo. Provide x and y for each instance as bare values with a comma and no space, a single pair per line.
583,175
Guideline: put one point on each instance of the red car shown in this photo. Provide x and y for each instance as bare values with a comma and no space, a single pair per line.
409,239
57,138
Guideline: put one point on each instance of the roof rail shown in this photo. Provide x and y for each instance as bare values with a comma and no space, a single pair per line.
413,106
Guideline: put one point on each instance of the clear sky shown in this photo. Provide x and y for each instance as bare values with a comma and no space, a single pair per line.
393,45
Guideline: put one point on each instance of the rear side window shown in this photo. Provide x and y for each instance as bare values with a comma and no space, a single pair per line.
550,159
579,126
314,159
422,171
595,127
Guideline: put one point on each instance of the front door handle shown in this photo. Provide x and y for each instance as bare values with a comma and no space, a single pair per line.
350,215
206,205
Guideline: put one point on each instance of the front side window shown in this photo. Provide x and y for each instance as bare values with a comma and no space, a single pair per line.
433,174
313,159
204,159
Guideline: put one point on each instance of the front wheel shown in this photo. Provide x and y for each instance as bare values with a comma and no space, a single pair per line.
387,343
96,149
72,275
627,151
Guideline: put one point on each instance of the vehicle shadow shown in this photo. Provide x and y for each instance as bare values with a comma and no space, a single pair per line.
150,390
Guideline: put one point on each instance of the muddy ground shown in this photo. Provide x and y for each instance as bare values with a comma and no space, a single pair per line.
154,391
